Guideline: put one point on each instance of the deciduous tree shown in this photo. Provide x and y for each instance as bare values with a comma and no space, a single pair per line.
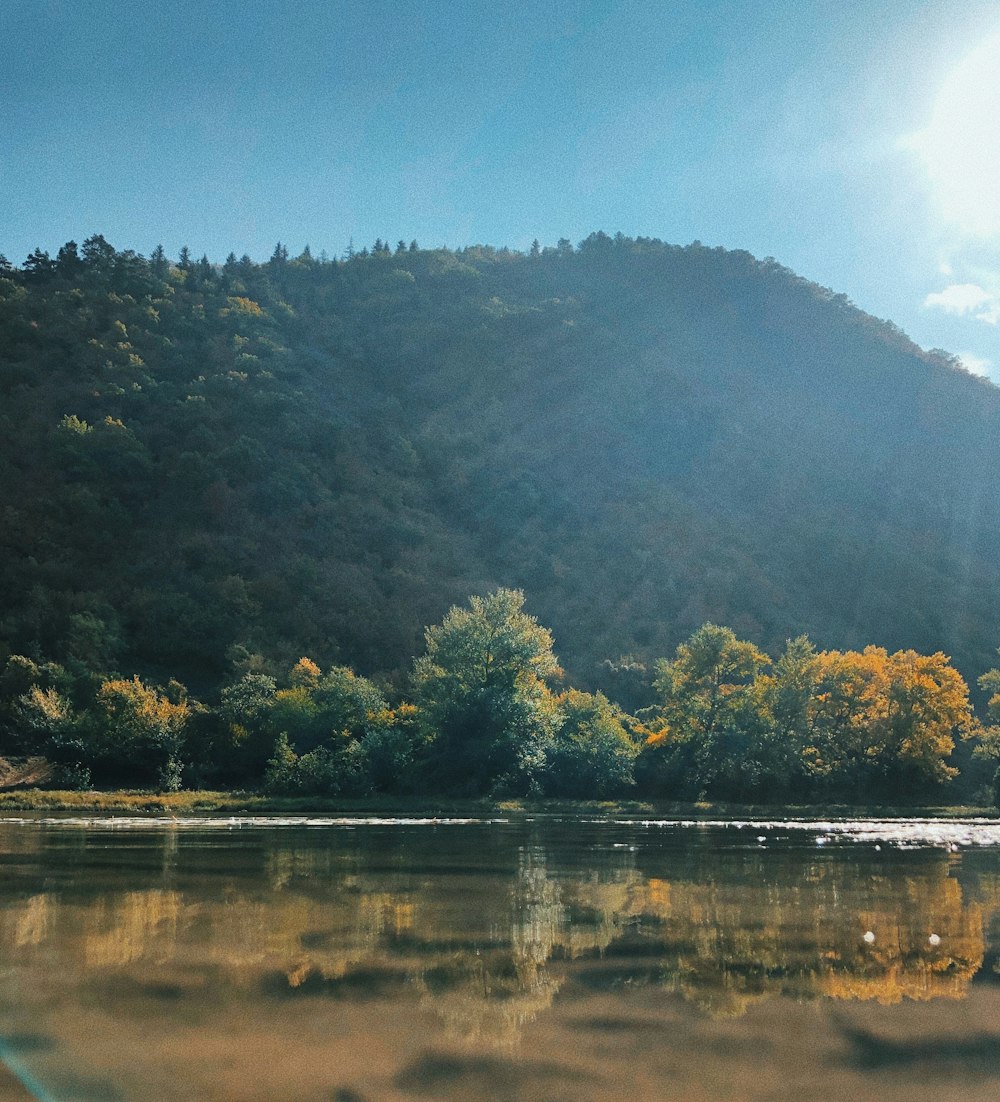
482,687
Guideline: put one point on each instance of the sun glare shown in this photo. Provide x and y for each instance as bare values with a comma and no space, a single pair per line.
960,146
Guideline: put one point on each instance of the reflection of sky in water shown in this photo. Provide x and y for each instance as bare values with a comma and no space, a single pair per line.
482,933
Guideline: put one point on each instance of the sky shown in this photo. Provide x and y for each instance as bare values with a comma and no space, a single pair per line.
856,141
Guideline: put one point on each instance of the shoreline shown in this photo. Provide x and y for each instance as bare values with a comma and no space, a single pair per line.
134,801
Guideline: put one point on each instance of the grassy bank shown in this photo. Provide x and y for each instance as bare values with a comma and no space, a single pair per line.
132,802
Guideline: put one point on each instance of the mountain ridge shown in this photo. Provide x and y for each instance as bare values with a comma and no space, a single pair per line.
318,457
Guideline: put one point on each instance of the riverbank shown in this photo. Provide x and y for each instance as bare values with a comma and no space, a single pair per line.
134,802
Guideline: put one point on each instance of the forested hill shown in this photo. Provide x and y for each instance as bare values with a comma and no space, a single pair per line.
202,463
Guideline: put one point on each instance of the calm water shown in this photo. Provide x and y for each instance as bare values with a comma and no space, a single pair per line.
535,959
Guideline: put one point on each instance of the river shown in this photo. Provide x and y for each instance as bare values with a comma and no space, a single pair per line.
525,957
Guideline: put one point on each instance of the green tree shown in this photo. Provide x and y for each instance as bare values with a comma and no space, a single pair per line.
787,716
43,715
793,690
333,734
98,255
243,737
988,735
390,749
990,684
159,265
38,266
317,709
482,688
715,710
32,698
49,725
68,261
592,756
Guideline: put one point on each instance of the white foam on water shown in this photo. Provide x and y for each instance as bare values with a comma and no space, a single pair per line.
949,834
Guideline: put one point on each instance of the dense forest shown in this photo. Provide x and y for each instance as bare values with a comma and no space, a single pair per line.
208,471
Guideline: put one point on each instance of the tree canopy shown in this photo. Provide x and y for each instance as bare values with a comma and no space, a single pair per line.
482,686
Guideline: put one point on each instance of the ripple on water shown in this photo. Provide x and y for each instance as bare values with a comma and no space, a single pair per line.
950,834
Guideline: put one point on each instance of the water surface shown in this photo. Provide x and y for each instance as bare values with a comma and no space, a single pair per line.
528,958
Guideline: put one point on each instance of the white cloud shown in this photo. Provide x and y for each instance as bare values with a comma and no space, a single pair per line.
966,300
978,365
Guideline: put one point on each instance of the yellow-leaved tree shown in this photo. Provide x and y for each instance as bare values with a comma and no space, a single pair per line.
135,731
885,723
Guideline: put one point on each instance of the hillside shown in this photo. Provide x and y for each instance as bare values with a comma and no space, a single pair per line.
202,464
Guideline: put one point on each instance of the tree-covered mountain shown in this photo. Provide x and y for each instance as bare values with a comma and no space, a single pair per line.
212,467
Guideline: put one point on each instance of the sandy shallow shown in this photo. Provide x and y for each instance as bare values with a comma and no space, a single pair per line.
591,1046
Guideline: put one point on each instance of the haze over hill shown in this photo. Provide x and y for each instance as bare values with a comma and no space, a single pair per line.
319,457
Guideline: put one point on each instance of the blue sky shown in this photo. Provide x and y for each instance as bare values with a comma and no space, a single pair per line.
785,127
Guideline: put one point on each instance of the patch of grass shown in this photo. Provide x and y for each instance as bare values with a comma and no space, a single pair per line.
136,802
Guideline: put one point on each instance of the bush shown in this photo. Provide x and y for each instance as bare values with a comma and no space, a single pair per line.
593,755
135,733
326,771
70,777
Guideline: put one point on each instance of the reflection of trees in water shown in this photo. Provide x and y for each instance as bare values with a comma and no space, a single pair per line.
488,952
549,919
493,993
725,945
128,928
33,922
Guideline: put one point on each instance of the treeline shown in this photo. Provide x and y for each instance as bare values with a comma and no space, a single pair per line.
485,711
310,455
